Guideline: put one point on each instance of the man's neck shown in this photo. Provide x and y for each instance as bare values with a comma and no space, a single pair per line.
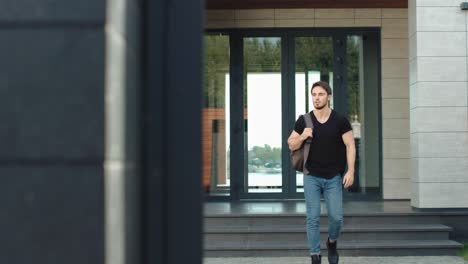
322,113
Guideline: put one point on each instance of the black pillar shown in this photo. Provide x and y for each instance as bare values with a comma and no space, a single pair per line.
172,222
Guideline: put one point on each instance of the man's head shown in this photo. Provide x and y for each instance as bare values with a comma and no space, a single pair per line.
321,94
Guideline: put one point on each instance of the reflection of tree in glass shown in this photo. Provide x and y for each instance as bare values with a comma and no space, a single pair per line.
262,55
216,67
315,54
353,76
265,156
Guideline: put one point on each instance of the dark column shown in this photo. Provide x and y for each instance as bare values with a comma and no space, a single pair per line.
172,139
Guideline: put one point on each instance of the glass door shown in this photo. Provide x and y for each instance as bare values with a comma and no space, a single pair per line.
257,83
215,116
262,110
363,110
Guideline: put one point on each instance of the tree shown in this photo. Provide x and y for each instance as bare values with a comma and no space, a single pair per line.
262,155
353,76
216,66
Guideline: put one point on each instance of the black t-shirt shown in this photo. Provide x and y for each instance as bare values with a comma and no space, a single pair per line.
327,156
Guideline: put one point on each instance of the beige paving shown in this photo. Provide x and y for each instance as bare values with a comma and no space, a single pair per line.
343,260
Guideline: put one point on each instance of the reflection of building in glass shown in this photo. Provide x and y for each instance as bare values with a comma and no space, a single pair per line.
356,127
214,145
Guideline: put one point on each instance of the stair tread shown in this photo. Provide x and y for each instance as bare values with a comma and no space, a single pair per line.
346,214
344,245
350,228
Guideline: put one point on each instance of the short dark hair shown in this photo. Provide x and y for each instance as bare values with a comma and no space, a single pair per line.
322,84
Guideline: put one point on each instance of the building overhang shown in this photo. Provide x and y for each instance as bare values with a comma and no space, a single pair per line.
260,4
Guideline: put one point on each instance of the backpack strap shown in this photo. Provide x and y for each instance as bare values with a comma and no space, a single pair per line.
310,124
308,120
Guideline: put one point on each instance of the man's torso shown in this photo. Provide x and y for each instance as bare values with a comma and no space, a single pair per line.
327,156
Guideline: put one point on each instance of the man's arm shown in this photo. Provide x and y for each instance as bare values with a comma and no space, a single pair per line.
348,140
295,140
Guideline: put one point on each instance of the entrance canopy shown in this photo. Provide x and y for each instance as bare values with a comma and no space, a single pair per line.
254,4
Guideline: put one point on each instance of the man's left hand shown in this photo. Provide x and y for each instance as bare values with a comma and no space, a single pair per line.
348,179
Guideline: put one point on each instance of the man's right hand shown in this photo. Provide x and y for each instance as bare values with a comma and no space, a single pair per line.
307,133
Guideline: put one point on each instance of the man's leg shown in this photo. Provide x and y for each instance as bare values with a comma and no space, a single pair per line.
333,192
312,187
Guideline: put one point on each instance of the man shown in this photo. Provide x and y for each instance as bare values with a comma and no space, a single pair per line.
331,149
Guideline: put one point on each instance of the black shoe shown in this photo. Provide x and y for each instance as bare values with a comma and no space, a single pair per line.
333,256
316,259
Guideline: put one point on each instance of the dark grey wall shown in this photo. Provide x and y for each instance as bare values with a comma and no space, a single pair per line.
52,131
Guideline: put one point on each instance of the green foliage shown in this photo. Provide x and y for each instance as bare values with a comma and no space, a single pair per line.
464,251
353,76
216,65
315,54
261,156
262,55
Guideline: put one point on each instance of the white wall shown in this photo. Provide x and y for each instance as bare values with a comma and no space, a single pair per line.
438,105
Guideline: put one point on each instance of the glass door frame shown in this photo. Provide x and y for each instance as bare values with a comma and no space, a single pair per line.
239,176
238,126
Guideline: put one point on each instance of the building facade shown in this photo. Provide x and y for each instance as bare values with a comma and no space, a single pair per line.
418,140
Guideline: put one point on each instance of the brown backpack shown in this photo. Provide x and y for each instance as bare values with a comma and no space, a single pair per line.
299,156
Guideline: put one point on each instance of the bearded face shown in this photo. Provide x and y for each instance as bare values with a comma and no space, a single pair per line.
320,97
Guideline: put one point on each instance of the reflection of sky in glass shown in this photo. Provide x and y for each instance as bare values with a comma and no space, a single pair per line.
264,109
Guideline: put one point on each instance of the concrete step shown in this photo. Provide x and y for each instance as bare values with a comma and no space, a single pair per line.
345,248
246,234
282,220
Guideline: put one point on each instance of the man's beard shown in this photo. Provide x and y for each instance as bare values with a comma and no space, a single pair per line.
321,106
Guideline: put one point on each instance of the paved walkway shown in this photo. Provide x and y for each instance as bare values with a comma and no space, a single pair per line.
343,260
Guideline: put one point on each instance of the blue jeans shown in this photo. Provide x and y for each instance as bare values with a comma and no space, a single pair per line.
332,191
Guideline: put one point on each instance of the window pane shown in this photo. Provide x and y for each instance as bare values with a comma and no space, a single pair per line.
215,131
354,57
262,81
363,101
